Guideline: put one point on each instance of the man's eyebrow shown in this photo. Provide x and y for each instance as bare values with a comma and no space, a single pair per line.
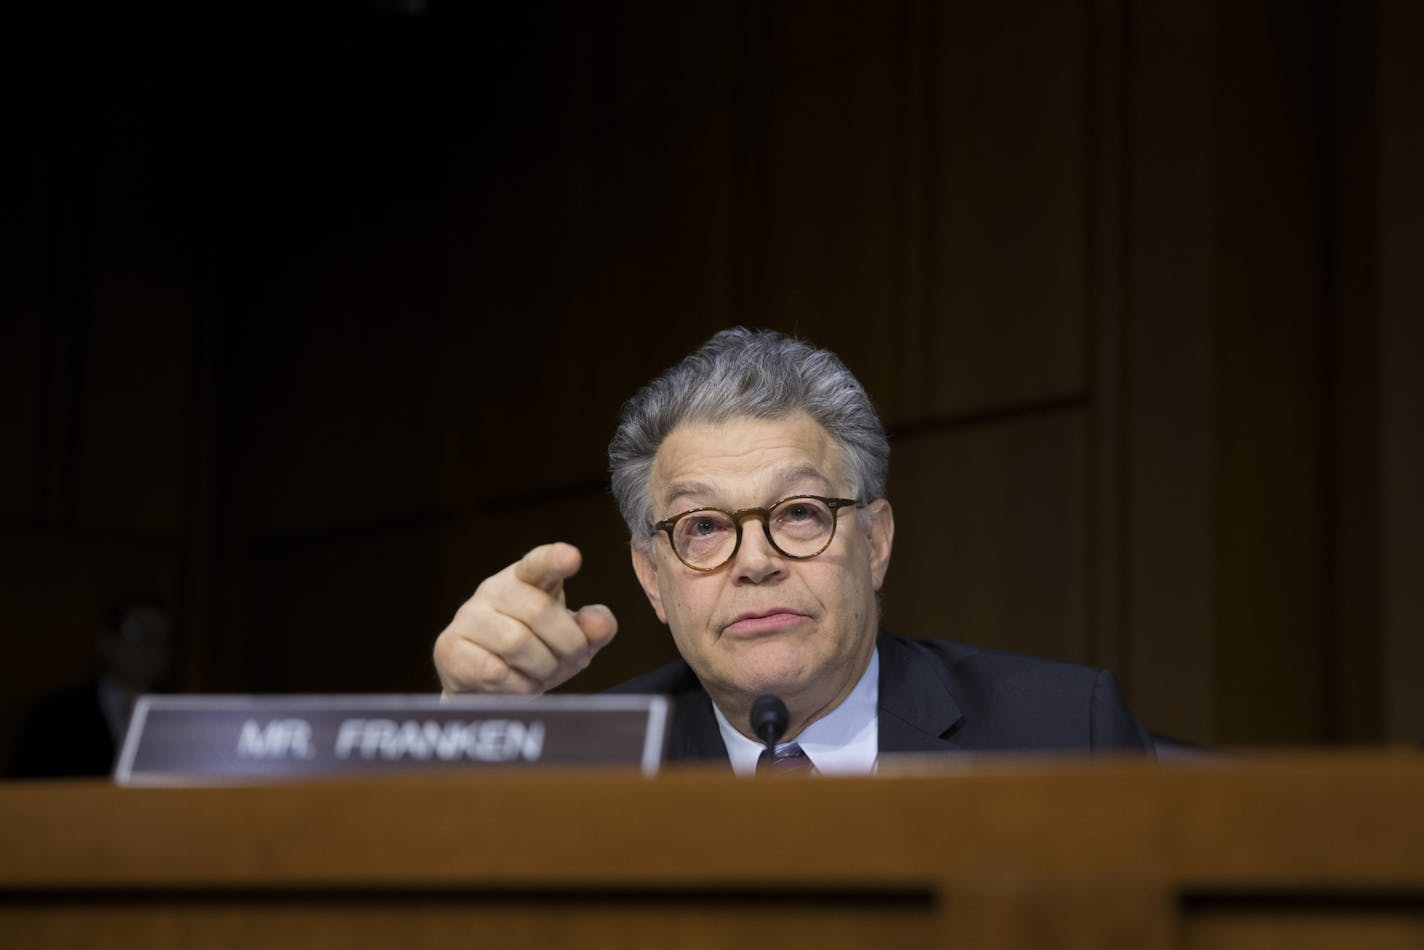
685,490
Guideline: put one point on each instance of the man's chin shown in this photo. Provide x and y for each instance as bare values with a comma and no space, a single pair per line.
780,676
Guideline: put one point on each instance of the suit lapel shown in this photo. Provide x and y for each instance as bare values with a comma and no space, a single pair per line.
916,709
695,736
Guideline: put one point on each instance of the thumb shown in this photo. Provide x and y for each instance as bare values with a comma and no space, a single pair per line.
598,625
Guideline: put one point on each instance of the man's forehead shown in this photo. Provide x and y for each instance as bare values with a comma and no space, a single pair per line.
775,482
746,456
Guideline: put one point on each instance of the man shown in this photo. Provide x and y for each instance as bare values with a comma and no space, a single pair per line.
77,731
752,479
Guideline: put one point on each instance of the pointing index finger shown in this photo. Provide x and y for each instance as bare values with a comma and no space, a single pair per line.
548,566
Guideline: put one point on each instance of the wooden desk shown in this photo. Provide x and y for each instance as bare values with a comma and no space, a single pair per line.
1302,852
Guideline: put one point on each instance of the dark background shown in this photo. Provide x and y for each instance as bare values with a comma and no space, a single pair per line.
320,312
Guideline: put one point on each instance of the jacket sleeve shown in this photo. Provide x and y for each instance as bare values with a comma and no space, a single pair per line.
1112,724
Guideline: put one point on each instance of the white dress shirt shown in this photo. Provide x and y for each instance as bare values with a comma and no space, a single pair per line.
845,741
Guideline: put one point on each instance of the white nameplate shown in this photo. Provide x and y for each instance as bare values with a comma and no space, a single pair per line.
183,740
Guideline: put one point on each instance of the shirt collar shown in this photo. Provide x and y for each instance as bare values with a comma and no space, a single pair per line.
842,742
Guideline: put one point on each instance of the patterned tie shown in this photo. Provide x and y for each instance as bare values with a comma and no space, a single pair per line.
787,760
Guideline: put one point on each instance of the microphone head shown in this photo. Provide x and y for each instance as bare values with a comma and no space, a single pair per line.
769,719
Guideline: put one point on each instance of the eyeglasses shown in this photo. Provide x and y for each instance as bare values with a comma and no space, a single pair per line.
798,527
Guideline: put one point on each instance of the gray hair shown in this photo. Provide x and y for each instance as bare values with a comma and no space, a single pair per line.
739,372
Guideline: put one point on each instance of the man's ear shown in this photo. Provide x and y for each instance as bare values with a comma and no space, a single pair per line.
881,536
647,571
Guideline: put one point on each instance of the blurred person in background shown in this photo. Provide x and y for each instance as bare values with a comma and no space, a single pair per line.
77,731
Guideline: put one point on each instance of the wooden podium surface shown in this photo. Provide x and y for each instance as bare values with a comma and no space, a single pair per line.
1299,852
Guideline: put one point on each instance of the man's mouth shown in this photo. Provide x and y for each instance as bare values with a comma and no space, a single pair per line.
763,621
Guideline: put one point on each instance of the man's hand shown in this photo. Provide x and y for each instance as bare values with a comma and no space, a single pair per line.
515,635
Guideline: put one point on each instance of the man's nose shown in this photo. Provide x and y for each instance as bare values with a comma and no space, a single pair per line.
757,561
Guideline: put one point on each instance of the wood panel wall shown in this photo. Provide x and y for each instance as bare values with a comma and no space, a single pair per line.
329,315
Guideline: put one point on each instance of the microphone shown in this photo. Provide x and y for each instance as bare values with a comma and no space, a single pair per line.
769,720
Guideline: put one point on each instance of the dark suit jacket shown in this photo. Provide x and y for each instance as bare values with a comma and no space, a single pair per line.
64,734
941,696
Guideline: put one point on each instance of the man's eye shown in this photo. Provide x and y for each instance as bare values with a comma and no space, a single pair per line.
704,526
799,512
